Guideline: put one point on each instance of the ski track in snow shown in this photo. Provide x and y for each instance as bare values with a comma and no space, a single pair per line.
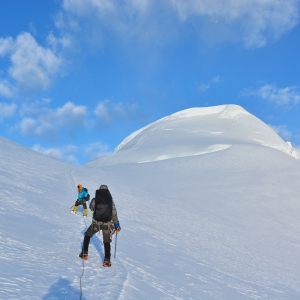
96,280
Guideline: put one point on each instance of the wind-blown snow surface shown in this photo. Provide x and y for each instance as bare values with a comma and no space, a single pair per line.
208,200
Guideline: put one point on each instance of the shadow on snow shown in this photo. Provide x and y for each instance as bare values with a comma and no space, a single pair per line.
62,290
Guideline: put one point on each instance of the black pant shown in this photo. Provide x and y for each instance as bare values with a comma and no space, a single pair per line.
81,202
106,237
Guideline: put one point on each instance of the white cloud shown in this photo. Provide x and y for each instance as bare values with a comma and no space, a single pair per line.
6,89
94,21
5,45
65,41
205,86
102,111
107,111
27,125
33,67
95,151
70,114
278,96
65,154
252,21
79,7
283,132
216,79
7,110
48,123
35,109
69,153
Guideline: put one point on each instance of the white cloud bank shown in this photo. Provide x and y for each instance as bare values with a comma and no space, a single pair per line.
279,96
48,123
253,22
257,20
65,154
32,67
69,153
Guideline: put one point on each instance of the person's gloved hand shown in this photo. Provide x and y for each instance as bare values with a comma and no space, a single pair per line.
117,227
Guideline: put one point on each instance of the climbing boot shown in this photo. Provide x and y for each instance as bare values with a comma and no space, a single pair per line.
74,210
83,255
85,212
106,262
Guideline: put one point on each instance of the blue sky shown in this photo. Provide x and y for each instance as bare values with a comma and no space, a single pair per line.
78,76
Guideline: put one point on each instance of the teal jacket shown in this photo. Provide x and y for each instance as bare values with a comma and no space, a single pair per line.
83,195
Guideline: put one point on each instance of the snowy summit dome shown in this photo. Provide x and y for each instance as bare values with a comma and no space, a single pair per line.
196,131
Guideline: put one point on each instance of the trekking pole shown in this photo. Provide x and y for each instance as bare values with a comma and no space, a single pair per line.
115,246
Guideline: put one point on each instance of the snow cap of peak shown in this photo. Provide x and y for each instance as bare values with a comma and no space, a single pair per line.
229,111
197,131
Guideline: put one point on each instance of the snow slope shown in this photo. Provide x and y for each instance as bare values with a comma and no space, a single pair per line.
208,201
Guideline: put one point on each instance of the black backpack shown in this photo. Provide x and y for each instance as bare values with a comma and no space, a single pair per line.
103,205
